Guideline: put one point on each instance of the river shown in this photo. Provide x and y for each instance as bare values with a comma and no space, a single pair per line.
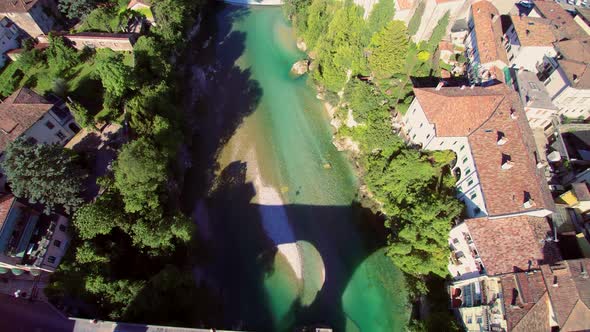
275,178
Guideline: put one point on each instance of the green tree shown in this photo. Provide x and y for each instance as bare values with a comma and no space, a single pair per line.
388,50
150,59
116,77
174,16
102,19
61,58
100,216
414,23
438,33
115,294
296,11
45,174
161,232
318,18
363,99
74,9
87,254
140,175
81,114
381,14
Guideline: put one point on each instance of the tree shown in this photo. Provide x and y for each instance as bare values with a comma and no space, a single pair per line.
173,17
416,19
115,294
140,175
388,50
362,98
318,18
103,19
381,14
61,58
100,216
161,232
115,75
150,59
87,254
45,174
74,9
81,114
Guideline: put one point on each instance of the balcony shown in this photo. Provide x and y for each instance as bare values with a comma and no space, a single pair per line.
20,226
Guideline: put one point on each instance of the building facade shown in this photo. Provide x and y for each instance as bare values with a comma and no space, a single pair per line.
527,40
9,38
34,17
98,40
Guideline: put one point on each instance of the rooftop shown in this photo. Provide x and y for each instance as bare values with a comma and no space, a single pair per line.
488,28
16,6
526,301
498,114
514,244
575,61
561,19
568,285
534,31
532,91
19,112
5,204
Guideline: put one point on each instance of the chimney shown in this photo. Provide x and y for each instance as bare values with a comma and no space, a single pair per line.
555,284
529,204
439,86
541,164
472,86
507,164
462,87
513,114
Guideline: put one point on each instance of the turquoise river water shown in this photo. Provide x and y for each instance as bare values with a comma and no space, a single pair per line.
279,135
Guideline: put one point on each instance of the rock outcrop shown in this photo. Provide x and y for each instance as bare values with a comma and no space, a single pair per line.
300,67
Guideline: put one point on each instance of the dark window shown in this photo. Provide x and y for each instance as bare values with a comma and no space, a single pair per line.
57,243
51,259
60,135
49,125
62,227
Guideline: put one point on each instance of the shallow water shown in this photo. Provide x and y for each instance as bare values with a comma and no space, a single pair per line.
281,132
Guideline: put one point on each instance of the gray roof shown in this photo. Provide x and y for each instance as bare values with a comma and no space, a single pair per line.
532,91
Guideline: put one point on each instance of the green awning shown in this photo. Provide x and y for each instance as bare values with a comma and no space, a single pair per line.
3,270
35,272
17,272
507,75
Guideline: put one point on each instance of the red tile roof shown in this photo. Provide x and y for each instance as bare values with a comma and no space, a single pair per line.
534,31
482,115
19,112
5,204
405,4
488,30
561,19
140,2
512,244
525,301
569,292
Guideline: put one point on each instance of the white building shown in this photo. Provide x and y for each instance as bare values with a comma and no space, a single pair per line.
28,114
527,40
8,38
567,77
484,49
538,107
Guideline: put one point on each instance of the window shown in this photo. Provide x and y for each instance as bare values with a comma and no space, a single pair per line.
456,241
473,195
470,182
476,211
462,148
60,135
49,125
62,227
511,58
467,171
465,160
479,320
413,137
547,81
51,259
428,136
421,125
455,142
442,142
57,243
469,319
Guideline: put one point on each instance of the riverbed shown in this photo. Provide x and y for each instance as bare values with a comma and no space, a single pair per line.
288,245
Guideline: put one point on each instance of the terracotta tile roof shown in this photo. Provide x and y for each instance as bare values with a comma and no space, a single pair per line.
534,31
488,30
445,46
19,112
525,301
508,245
575,61
561,19
482,115
16,6
569,291
136,2
453,110
405,4
5,204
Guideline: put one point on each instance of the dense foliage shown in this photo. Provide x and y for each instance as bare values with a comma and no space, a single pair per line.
46,174
388,50
76,8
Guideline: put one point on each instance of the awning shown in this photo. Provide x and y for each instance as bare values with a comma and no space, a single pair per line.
17,272
507,76
3,270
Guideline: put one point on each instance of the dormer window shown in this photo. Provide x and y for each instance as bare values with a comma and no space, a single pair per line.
501,138
507,163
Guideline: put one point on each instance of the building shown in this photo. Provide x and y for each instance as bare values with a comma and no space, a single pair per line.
583,19
478,303
566,26
29,240
567,77
113,41
34,17
497,167
568,286
527,40
483,45
578,197
28,114
538,107
9,39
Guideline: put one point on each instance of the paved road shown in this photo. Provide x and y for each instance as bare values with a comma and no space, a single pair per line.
19,315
